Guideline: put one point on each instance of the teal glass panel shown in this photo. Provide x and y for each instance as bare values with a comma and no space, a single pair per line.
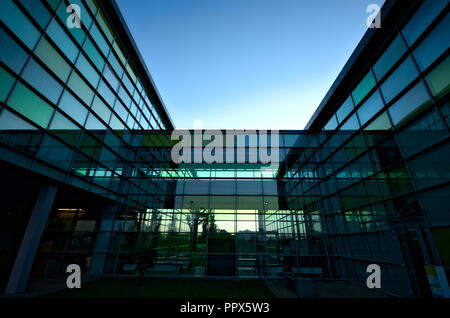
345,109
11,53
99,40
370,107
73,108
350,126
412,103
130,71
94,55
111,78
438,80
367,83
65,129
382,122
82,90
101,109
106,93
38,11
115,64
119,53
93,123
86,19
87,70
17,22
115,123
64,16
422,133
445,110
93,6
431,167
422,19
120,110
63,41
30,105
434,45
53,3
6,83
402,76
52,59
42,81
9,121
55,152
105,26
126,99
390,56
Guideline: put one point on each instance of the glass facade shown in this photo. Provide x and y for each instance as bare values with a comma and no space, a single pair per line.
369,185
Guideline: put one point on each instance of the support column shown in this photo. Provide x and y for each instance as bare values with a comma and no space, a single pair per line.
30,243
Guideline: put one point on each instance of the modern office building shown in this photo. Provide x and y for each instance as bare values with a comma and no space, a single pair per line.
89,176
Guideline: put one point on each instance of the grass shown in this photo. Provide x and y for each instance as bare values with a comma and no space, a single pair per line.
167,288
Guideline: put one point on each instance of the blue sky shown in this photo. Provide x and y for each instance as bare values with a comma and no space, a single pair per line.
254,64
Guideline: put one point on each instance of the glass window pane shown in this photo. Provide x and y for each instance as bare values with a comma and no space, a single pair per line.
370,107
351,124
131,73
390,56
106,93
119,53
382,122
79,86
93,123
410,104
11,53
104,25
434,45
65,129
77,33
422,133
6,83
431,167
55,152
422,19
332,123
63,41
86,19
73,108
120,110
38,11
99,39
367,83
87,70
445,109
93,6
42,81
115,64
17,22
30,105
439,79
345,109
126,99
94,55
53,3
398,80
9,121
101,109
110,77
52,59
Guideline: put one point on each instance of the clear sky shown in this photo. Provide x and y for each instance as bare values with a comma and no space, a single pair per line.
254,64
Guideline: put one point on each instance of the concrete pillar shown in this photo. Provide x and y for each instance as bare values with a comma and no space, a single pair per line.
30,243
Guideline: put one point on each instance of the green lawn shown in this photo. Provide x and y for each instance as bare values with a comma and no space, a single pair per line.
168,288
